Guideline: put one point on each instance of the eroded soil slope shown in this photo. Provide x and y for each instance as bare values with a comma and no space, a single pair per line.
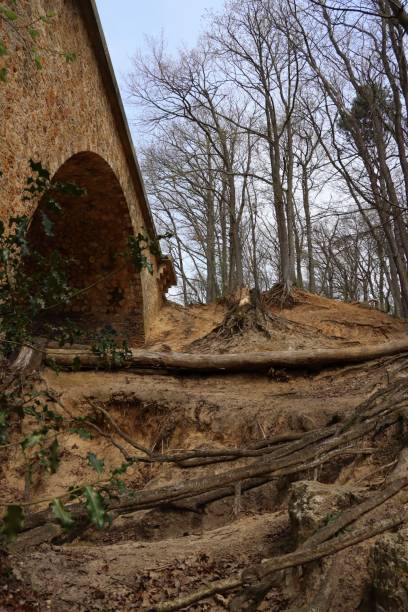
157,553
313,321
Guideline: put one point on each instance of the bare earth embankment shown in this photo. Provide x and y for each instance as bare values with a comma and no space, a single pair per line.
309,445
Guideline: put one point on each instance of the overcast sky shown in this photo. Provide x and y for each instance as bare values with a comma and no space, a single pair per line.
127,22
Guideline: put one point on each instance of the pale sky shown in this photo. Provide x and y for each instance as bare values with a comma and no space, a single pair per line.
127,22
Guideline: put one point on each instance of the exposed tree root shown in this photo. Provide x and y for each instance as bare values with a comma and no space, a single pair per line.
299,557
282,295
324,598
245,313
257,591
300,456
282,456
272,459
275,445
248,312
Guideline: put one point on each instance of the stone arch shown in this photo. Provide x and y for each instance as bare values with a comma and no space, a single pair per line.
92,231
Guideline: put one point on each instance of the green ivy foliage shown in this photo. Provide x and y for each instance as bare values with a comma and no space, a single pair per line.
110,353
141,244
31,285
29,33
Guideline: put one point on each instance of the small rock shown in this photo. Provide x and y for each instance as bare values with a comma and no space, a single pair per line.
388,567
313,504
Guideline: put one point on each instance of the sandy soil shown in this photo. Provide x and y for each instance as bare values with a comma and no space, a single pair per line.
154,554
312,321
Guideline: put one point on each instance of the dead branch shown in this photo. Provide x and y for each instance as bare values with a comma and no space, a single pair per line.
118,430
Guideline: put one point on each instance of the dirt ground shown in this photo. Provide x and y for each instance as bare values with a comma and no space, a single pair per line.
314,321
150,555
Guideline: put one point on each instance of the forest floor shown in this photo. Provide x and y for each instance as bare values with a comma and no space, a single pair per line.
154,554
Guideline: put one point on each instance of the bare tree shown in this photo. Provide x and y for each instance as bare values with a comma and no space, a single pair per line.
287,119
186,90
261,61
362,108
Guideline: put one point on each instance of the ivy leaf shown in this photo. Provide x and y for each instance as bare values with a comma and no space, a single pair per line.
136,245
53,456
94,505
37,61
63,515
3,418
76,364
120,485
32,439
97,464
84,434
3,49
3,75
3,426
33,33
123,468
8,13
71,189
39,169
51,415
48,16
12,521
70,57
47,224
52,364
53,205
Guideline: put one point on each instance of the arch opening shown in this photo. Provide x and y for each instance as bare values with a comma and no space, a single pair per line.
91,234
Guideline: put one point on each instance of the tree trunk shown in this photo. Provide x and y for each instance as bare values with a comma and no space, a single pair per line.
290,215
309,238
260,361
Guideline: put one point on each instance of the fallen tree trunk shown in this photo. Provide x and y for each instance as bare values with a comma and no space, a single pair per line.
232,362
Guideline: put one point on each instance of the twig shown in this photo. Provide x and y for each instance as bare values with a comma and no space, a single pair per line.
112,441
118,430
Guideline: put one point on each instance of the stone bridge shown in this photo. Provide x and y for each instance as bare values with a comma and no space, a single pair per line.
70,117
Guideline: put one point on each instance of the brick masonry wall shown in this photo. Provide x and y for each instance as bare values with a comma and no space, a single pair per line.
62,110
91,233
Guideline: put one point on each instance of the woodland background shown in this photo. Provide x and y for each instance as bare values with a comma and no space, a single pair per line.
276,150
